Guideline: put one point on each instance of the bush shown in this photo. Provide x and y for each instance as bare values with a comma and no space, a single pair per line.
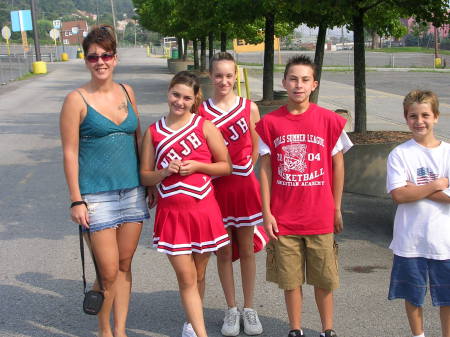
426,41
445,43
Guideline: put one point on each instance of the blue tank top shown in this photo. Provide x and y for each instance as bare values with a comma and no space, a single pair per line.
107,153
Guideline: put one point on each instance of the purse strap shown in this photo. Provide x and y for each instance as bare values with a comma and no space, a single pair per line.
80,231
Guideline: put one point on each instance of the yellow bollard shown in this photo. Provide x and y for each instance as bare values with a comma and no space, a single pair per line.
438,62
148,50
247,85
80,54
238,82
64,57
39,67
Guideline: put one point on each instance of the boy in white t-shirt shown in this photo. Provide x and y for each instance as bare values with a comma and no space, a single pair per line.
417,179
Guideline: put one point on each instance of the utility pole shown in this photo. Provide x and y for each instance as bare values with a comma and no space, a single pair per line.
37,45
135,32
436,48
96,5
114,18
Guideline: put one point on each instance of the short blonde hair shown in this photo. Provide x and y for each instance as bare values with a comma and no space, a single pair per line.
421,97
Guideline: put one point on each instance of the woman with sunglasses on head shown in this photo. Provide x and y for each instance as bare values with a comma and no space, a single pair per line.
100,137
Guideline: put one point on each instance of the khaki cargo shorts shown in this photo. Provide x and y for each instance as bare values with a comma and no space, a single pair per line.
290,255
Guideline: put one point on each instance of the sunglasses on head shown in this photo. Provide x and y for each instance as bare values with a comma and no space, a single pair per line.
93,58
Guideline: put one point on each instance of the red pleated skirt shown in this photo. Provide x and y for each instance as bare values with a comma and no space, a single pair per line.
184,224
239,200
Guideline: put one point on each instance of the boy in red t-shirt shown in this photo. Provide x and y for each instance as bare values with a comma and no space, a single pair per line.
302,178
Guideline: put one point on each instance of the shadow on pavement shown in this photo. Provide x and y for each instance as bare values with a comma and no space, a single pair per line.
45,306
367,218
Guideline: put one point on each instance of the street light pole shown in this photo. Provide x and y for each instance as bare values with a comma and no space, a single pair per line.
37,45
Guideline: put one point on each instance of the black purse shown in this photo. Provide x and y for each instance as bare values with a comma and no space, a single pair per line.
93,299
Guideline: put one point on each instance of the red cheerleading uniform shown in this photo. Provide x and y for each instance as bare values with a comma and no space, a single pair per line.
301,158
237,194
188,218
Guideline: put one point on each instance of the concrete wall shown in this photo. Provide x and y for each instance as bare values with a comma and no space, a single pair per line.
365,169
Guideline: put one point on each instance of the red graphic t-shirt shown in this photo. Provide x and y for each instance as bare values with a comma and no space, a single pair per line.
301,145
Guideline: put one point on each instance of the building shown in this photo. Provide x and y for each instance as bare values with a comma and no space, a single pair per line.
73,32
85,14
443,31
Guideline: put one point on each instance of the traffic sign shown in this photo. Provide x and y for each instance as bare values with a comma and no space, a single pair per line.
54,34
21,21
75,30
6,32
57,24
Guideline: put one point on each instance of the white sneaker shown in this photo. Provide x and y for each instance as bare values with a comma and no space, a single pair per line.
188,330
231,322
252,325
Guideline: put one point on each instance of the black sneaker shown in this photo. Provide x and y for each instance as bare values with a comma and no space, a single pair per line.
296,333
330,333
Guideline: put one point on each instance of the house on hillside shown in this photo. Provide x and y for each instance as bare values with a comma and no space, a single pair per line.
73,32
85,14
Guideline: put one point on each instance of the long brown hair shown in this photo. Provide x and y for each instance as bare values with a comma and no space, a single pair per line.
189,79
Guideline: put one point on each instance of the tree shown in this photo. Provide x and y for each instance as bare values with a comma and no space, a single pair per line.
44,27
275,13
161,16
419,30
359,13
323,15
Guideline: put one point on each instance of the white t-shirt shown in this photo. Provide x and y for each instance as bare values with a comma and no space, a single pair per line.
421,228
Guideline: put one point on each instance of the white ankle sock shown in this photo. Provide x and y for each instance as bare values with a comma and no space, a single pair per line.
322,334
421,335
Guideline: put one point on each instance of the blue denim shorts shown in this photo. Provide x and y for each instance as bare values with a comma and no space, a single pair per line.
110,209
410,275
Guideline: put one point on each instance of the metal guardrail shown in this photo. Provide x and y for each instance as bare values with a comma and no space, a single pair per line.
18,63
157,50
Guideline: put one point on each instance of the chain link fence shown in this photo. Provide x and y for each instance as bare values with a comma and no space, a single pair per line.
345,59
14,63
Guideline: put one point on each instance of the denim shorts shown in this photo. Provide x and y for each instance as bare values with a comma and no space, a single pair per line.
410,276
110,209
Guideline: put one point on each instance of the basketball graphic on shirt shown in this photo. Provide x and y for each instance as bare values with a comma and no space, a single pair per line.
294,157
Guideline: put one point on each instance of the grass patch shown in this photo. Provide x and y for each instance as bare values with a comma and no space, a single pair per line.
428,71
338,69
26,76
409,50
253,64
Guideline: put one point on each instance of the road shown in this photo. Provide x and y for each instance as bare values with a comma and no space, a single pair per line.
40,272
385,93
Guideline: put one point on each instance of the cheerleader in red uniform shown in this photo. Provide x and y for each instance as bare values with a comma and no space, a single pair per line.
238,194
180,153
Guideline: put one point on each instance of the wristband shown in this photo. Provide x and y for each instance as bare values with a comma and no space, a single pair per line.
76,203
